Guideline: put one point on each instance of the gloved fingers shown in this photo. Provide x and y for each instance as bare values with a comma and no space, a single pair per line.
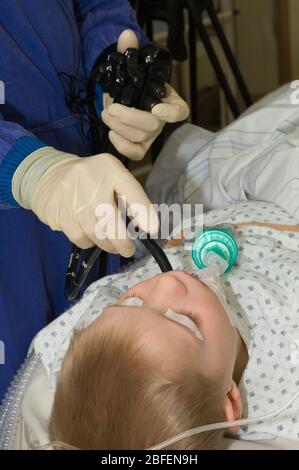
61,218
138,205
123,244
125,248
107,100
90,224
137,118
132,150
126,131
71,228
127,39
104,226
173,108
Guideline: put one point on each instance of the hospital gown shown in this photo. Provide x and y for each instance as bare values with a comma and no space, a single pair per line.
263,295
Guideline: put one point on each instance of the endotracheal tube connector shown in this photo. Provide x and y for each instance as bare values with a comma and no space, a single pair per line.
215,249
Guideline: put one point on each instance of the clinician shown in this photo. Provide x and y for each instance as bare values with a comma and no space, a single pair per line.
48,192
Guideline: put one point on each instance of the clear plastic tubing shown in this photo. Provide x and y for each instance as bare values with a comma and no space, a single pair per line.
11,405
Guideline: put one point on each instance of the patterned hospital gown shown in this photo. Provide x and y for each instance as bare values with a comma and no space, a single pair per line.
263,295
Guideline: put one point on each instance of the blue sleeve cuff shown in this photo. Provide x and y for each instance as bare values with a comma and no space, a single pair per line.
22,148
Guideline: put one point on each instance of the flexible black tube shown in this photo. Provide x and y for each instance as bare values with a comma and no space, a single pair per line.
158,254
74,281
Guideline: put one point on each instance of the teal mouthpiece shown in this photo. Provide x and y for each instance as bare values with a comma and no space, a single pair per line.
215,241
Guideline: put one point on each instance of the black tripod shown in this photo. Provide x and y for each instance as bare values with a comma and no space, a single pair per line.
172,12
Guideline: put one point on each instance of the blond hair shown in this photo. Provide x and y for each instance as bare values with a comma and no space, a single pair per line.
111,395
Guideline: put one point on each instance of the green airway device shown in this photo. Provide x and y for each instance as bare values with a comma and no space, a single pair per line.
217,241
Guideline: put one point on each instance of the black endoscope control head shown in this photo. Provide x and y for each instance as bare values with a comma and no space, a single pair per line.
136,78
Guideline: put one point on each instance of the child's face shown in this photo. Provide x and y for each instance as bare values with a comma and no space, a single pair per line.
174,345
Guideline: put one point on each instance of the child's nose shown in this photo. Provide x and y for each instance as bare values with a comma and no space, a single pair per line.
170,287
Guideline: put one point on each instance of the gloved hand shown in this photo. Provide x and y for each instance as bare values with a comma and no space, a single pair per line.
77,196
132,130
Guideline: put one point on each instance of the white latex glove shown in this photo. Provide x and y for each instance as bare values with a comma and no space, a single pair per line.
67,193
133,131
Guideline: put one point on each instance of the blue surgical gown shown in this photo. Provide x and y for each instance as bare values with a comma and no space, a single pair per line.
41,40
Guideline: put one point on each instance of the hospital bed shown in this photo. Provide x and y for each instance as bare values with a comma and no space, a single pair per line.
25,413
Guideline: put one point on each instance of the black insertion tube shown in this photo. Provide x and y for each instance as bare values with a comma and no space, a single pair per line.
158,254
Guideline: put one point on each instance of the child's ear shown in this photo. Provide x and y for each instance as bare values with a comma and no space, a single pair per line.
232,406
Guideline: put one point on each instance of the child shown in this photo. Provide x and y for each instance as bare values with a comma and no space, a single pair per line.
133,376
